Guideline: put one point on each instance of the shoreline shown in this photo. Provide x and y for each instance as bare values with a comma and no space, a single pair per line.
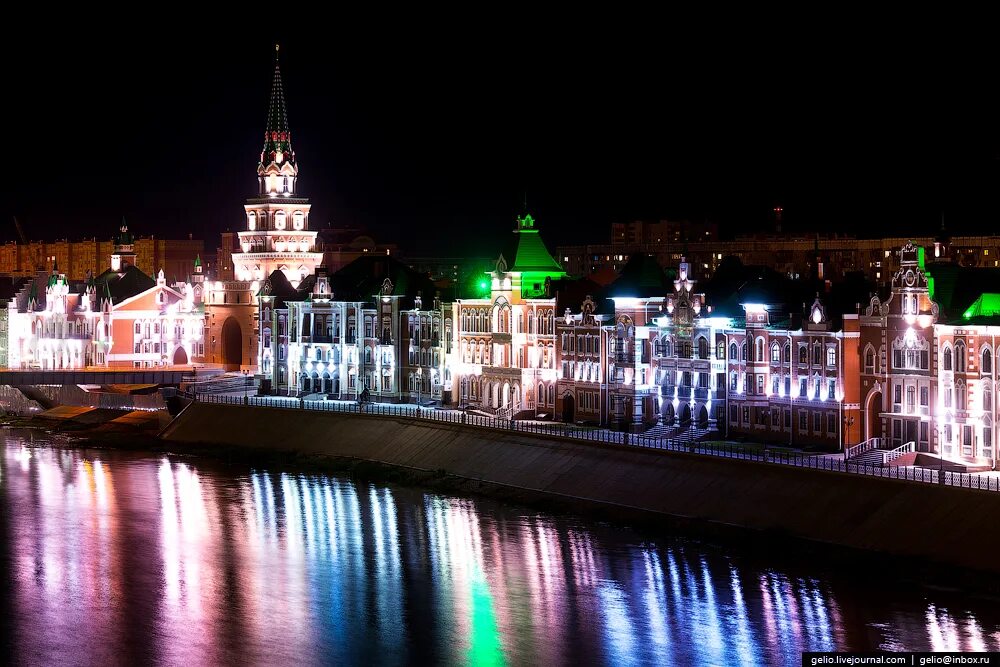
784,547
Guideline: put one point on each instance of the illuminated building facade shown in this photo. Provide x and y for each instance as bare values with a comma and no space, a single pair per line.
382,331
120,318
504,358
793,379
689,356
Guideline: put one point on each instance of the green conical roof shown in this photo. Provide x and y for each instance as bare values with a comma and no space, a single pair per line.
531,254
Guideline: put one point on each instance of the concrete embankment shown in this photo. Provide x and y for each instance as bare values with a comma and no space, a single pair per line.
942,524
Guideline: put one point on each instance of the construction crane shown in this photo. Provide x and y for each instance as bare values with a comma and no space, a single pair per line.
20,232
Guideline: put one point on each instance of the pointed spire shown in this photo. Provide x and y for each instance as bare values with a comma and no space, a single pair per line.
277,136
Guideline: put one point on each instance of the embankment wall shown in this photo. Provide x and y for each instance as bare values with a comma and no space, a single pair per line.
943,524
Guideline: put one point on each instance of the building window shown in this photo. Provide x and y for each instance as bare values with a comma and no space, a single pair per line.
831,389
831,357
947,358
775,353
803,355
831,423
803,421
987,364
960,395
870,361
720,350
960,358
788,353
802,388
817,355
911,399
924,397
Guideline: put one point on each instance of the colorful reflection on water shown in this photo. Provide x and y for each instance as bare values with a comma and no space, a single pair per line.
109,558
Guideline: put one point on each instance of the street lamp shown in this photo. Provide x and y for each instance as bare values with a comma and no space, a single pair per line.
420,381
246,386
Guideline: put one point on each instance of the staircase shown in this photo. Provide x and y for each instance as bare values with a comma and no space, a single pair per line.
873,454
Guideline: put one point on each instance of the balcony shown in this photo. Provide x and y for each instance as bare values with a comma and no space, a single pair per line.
701,393
684,393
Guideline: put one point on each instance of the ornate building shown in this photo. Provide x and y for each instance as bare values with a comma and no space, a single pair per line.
375,329
898,366
277,238
504,356
120,318
793,379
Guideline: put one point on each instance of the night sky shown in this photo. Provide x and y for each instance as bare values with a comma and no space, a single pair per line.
430,137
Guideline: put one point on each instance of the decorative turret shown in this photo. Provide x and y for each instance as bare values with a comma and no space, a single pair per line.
124,252
277,170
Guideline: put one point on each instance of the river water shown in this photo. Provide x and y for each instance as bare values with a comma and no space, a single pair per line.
121,558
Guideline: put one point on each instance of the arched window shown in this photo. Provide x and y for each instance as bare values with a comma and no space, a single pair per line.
702,348
733,351
987,397
960,357
831,356
960,396
251,221
870,360
787,357
817,354
720,350
775,352
759,350
743,351
803,354
279,220
298,220
987,365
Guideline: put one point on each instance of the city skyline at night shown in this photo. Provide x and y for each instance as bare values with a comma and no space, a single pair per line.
420,150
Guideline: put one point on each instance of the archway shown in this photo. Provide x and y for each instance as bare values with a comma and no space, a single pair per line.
685,414
180,356
232,344
668,413
873,408
703,417
569,408
496,395
506,394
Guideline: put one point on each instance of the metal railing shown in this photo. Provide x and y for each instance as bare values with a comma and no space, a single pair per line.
859,449
894,454
623,439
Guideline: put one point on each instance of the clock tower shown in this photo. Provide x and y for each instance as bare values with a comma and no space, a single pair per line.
277,235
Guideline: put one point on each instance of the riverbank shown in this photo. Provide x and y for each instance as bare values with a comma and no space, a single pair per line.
847,515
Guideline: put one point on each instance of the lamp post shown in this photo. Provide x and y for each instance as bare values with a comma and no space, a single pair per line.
246,386
420,381
846,440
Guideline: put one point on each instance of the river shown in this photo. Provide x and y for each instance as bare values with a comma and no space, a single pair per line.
111,557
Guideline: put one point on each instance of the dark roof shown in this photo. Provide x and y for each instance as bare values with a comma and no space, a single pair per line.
125,284
277,286
362,279
571,293
642,276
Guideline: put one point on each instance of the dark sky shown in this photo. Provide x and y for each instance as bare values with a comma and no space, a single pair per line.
428,137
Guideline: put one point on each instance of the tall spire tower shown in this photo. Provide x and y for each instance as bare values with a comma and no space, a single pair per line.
277,235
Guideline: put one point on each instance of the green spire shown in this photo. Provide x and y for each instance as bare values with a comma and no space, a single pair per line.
197,260
277,136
